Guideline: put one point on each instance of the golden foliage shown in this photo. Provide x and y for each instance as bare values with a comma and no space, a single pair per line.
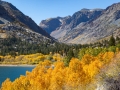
49,76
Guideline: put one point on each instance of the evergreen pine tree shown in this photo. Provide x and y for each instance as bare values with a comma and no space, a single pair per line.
112,41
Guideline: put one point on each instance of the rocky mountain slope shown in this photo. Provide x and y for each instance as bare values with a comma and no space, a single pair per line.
19,30
87,26
59,28
14,23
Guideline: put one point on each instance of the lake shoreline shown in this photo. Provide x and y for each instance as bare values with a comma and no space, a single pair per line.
20,65
13,71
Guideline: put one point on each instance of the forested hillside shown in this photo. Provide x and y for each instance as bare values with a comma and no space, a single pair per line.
88,69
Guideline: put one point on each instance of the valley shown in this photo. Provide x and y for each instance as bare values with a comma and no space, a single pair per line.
75,52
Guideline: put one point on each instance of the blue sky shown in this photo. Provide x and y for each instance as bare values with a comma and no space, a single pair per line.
42,9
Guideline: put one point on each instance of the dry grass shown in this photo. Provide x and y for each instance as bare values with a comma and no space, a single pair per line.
109,77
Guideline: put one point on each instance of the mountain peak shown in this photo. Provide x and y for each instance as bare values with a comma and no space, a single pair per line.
90,10
85,9
113,7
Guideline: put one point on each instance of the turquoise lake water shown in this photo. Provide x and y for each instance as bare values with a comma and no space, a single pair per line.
13,72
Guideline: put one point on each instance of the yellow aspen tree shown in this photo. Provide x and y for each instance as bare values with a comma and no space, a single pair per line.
6,85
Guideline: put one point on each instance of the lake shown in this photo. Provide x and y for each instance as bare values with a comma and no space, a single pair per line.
13,72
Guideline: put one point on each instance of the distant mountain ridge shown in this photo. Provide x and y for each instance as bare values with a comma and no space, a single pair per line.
88,26
63,25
